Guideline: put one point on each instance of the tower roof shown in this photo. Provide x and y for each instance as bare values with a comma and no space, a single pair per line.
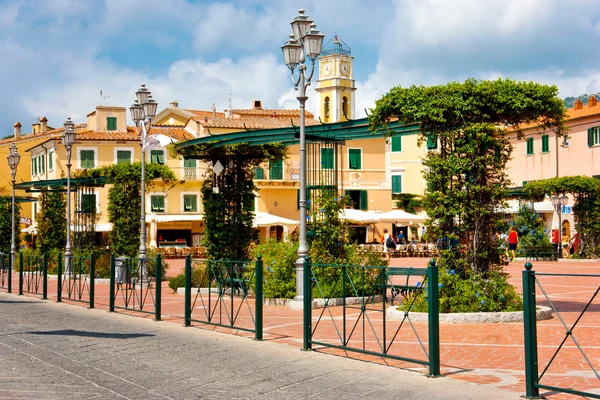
336,46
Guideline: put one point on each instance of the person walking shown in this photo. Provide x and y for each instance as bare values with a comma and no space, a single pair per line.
565,244
513,242
389,244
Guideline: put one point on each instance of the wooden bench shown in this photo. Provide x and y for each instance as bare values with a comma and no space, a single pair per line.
402,287
540,253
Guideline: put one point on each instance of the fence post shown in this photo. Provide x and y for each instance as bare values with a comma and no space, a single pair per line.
45,278
307,345
258,298
158,288
433,301
111,289
530,331
59,281
92,279
10,268
21,274
187,311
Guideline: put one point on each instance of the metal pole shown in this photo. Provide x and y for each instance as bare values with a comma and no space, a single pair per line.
92,279
13,246
68,254
158,288
258,298
187,317
434,319
143,201
302,244
45,278
111,289
59,279
307,345
530,333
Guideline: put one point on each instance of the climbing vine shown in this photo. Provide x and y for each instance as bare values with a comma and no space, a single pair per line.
52,224
6,224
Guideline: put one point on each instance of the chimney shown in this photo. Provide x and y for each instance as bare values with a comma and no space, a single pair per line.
17,126
592,101
578,105
174,103
43,125
205,119
257,105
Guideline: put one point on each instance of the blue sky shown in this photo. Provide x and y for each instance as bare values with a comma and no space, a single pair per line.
58,54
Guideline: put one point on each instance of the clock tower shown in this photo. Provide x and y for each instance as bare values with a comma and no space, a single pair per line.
335,85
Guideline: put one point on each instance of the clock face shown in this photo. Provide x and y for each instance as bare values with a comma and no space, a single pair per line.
327,68
345,68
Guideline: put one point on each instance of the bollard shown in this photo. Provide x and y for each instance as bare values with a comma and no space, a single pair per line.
307,345
21,274
158,288
111,289
92,279
258,298
45,278
10,268
530,333
433,304
187,311
59,278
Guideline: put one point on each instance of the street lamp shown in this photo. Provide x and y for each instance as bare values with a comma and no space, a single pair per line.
68,139
13,161
142,112
304,42
558,202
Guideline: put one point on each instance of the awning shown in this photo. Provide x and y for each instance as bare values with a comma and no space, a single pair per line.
174,217
263,219
540,206
359,216
30,229
400,216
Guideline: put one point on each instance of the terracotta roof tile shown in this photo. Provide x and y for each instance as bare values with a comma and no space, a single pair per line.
176,132
574,113
278,113
255,122
199,115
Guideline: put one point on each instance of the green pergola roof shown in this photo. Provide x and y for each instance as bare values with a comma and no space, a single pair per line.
60,184
20,199
336,132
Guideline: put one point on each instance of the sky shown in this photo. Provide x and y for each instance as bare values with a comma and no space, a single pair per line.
56,56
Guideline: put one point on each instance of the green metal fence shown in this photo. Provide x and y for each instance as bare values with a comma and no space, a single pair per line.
33,274
5,271
135,284
354,318
77,283
220,292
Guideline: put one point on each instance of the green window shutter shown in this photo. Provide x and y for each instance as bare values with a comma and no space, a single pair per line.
327,158
158,203
396,183
354,156
111,123
42,163
50,160
364,205
545,143
158,157
276,169
87,158
590,137
259,173
88,203
34,166
396,143
189,162
529,146
431,142
190,203
123,157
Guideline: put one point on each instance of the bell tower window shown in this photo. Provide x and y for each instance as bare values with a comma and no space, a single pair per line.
345,107
326,113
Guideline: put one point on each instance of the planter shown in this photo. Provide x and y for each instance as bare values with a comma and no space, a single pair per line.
542,313
319,303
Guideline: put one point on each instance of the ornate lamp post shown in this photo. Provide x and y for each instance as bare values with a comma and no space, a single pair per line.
558,202
68,139
13,161
142,112
304,42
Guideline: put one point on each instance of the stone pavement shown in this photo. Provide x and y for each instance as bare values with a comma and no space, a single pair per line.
62,351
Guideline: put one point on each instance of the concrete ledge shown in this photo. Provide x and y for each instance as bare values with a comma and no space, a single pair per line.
542,313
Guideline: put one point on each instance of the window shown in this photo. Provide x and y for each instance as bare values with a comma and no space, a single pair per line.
259,173
86,158
42,162
529,146
111,123
326,109
355,158
34,166
396,143
50,160
87,203
358,199
345,107
157,203
189,163
123,157
327,158
431,142
594,136
396,183
190,203
157,156
276,169
545,143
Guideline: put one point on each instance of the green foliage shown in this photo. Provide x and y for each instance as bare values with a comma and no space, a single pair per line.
465,177
329,234
586,209
530,228
569,102
408,202
279,269
177,281
51,219
6,224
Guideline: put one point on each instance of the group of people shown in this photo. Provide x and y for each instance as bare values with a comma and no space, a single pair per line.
568,245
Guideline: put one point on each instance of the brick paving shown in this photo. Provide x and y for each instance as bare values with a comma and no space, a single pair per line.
490,354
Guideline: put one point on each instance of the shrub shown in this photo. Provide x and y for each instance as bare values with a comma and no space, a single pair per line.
177,281
279,269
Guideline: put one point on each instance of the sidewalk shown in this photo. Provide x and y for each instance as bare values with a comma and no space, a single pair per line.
62,351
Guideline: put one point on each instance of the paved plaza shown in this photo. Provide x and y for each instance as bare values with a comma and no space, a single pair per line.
489,354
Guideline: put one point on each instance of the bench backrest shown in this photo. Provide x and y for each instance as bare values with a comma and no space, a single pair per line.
406,271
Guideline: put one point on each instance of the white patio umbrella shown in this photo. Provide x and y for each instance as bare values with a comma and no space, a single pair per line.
359,216
263,219
400,216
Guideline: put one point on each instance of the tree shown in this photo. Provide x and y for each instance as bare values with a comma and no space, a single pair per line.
468,124
408,202
530,227
6,224
51,219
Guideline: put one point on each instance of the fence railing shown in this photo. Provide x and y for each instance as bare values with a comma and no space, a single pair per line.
5,272
135,284
534,381
33,274
363,325
77,283
219,293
